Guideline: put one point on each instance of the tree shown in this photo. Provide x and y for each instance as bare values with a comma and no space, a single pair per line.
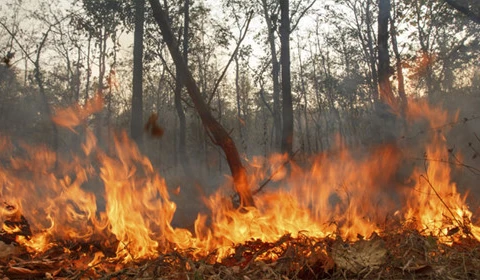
179,82
384,72
466,9
287,106
443,43
358,19
218,134
398,62
271,19
35,58
136,129
102,20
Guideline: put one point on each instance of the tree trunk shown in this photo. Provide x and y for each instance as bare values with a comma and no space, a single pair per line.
41,87
277,118
136,128
78,75
385,88
89,70
217,132
240,117
100,116
304,95
425,45
399,68
287,106
179,82
371,49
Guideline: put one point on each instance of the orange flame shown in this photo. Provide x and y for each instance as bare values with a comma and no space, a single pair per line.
344,193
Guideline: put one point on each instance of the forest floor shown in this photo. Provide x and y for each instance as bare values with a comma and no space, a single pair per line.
405,254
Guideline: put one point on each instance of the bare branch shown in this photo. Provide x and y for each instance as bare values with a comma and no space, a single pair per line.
464,10
295,24
245,29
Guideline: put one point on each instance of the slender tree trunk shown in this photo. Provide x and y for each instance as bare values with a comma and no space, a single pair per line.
385,88
47,109
77,75
371,49
329,91
305,103
424,41
219,117
89,70
318,100
100,116
239,100
179,82
102,58
287,106
136,129
399,68
41,87
218,134
277,118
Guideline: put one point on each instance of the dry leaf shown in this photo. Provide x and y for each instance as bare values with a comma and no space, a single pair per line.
152,128
359,255
7,250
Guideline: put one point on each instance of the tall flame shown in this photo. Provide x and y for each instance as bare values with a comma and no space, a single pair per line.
342,193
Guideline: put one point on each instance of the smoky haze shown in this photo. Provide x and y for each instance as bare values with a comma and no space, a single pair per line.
66,53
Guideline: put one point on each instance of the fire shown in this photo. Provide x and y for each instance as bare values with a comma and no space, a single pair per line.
435,206
343,193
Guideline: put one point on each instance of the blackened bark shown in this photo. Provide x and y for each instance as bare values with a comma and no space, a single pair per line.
218,134
385,88
287,107
136,128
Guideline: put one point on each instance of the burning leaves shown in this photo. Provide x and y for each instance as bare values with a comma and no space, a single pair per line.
396,255
14,224
306,228
75,115
152,128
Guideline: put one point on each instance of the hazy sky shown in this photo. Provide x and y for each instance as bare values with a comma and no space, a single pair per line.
126,39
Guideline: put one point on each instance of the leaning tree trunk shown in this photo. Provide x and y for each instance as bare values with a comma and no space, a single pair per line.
218,134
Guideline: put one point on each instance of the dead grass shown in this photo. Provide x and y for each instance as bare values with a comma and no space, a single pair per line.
397,255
